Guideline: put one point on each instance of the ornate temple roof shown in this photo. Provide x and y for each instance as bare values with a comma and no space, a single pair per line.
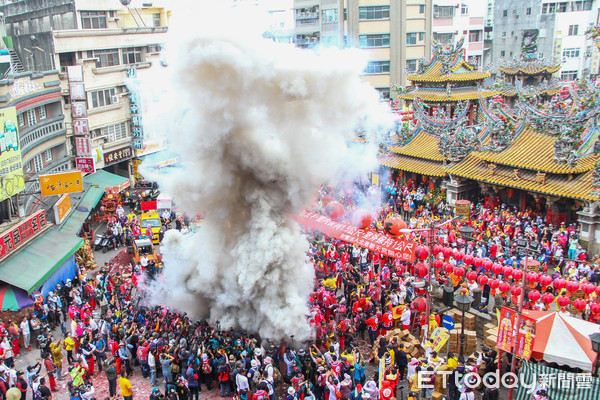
446,95
412,164
422,145
457,71
528,67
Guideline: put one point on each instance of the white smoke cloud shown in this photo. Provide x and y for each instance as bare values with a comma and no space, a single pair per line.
256,126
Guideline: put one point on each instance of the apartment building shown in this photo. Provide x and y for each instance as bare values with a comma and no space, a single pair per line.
96,45
395,34
453,20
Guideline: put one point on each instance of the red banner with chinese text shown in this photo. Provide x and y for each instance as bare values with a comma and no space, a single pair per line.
506,327
526,338
373,241
22,232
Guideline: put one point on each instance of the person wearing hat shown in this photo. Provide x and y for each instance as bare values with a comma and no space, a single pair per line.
22,384
357,393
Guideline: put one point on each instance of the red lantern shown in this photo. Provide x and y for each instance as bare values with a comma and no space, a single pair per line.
482,280
517,274
477,261
497,268
459,271
437,264
534,295
493,283
507,271
468,259
559,283
420,304
334,210
487,264
545,280
393,226
579,304
547,298
572,286
362,218
503,287
588,288
515,290
471,275
458,255
422,253
532,277
421,271
563,301
595,308
448,268
437,249
447,252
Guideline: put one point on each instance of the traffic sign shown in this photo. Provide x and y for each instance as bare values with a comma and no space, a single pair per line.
448,322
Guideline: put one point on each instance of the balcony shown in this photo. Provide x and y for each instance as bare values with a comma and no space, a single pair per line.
50,129
67,41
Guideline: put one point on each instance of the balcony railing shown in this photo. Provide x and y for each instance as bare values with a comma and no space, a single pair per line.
52,128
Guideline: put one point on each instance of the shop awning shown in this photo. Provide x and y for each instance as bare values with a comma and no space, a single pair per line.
73,223
36,262
103,179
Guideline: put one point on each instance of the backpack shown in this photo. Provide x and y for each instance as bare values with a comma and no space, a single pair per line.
277,378
256,378
206,367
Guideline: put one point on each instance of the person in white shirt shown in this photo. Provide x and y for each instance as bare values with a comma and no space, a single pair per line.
405,318
26,332
152,366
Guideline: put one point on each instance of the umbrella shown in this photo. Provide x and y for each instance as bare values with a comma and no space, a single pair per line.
13,299
563,339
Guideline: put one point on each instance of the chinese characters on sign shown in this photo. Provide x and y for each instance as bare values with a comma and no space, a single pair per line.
82,146
136,115
11,168
506,327
116,156
62,208
85,165
22,232
526,338
77,91
80,127
385,245
79,109
66,182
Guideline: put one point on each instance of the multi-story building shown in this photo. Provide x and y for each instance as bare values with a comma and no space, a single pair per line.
394,33
453,20
559,26
96,45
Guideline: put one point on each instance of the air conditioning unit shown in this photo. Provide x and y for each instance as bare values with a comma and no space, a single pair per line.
115,19
115,99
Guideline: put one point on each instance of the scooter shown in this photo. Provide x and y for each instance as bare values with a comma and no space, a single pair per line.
98,242
107,244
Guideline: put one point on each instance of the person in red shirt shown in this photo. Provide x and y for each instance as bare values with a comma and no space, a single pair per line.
372,325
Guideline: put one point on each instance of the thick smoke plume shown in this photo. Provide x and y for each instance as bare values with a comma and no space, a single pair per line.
257,127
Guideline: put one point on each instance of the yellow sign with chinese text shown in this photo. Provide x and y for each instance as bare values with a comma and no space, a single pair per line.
66,182
62,208
11,167
440,336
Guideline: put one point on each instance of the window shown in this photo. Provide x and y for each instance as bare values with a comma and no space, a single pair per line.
153,48
31,118
502,53
571,53
28,167
561,7
444,37
101,98
464,9
505,13
42,112
421,9
330,16
48,155
376,40
38,163
474,36
573,29
132,55
411,65
156,19
421,36
93,19
378,67
115,132
373,12
528,11
21,119
443,11
106,58
503,35
568,75
411,38
384,93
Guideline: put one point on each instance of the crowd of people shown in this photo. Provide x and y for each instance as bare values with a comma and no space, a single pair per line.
95,327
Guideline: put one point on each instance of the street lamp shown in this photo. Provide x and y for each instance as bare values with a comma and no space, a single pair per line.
463,303
595,338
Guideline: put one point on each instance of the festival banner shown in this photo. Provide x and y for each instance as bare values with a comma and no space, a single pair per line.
526,338
440,336
11,169
387,246
22,232
506,327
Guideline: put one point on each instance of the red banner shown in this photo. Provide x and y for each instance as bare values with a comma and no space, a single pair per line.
526,337
148,205
506,327
22,232
373,241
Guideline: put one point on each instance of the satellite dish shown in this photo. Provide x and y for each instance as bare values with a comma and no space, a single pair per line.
125,2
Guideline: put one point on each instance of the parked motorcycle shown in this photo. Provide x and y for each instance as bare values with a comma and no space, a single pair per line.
107,243
98,242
